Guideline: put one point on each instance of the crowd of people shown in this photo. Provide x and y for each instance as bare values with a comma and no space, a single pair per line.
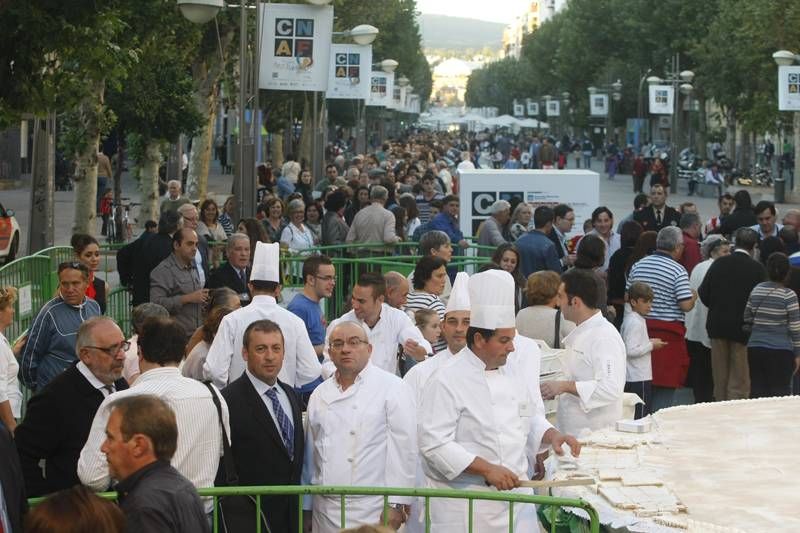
425,380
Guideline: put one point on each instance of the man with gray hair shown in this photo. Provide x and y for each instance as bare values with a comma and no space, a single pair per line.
142,312
491,232
397,287
692,232
672,298
173,200
234,273
59,417
374,224
725,290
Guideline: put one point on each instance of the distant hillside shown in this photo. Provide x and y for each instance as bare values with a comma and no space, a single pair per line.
456,33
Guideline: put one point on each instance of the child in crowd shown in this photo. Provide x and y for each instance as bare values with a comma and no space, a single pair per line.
638,347
105,210
427,321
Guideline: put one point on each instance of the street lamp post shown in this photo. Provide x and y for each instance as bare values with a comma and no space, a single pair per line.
785,58
388,66
614,91
681,81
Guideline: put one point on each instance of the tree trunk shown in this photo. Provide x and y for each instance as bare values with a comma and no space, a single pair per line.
276,149
744,151
118,213
148,182
206,98
90,112
730,135
306,134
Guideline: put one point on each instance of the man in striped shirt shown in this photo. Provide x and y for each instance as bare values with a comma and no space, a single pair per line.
672,297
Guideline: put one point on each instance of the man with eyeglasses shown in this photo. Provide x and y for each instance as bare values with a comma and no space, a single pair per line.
50,346
161,349
319,279
362,431
58,418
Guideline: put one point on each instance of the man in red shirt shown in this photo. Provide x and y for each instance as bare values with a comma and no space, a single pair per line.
691,227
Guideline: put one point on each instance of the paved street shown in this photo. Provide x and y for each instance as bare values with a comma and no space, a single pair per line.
617,195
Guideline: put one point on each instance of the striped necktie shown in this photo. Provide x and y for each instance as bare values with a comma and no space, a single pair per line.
284,422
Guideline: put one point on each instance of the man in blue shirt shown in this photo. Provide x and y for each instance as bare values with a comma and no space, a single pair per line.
447,221
536,250
319,279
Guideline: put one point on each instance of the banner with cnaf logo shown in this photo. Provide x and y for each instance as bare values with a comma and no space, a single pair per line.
479,189
350,66
295,46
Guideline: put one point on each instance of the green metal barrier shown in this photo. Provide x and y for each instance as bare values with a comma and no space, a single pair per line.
118,307
426,494
31,277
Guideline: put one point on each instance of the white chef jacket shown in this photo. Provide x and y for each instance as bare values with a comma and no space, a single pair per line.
392,329
638,347
695,321
225,362
364,436
468,412
595,361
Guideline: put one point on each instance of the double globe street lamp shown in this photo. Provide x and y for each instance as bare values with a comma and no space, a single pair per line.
614,91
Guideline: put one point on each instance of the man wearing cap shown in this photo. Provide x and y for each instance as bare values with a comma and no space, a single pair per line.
594,364
479,423
491,232
225,364
387,327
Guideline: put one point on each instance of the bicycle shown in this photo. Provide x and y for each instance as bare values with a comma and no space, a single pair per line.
127,227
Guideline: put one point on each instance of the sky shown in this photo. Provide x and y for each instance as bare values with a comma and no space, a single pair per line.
494,10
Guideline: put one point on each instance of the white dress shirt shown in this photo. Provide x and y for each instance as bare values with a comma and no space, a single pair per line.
595,361
225,363
262,388
392,329
696,318
469,412
9,383
638,347
364,436
94,382
199,434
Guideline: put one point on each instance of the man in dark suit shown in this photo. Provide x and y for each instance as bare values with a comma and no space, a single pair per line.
12,485
658,214
236,272
266,424
58,419
725,290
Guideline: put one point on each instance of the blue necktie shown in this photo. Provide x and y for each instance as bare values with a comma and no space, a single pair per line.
284,422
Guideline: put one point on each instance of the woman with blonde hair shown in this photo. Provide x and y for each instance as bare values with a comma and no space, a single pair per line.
10,394
542,320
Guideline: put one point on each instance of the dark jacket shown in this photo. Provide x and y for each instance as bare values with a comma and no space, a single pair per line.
12,481
741,217
258,450
227,276
128,257
157,499
55,428
725,290
151,252
647,218
537,252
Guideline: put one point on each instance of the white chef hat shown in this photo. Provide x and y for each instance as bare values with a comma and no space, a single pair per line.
491,296
459,296
266,262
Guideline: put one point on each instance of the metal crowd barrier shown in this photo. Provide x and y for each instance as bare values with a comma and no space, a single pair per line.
300,491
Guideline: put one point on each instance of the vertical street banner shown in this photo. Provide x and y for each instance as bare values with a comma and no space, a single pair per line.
348,75
295,46
598,105
532,107
662,99
519,109
381,89
789,88
553,108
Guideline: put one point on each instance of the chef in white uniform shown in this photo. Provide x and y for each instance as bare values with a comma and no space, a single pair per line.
594,361
362,431
225,363
479,423
388,328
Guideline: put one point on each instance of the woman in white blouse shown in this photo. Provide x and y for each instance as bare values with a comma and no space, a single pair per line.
10,394
297,236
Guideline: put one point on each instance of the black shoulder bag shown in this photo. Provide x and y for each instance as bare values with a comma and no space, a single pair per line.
557,334
236,513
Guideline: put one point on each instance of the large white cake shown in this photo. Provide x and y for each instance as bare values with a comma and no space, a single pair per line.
726,466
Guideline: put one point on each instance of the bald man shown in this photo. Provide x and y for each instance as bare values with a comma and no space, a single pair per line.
397,288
